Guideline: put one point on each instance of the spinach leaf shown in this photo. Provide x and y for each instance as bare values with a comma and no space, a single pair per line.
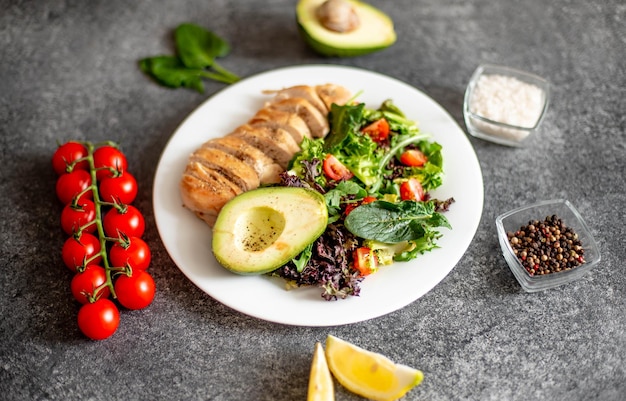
394,222
197,50
197,47
171,72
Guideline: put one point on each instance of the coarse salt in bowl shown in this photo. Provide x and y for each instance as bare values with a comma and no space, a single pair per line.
513,220
505,105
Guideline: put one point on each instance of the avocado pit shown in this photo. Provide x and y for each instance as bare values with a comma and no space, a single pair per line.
338,16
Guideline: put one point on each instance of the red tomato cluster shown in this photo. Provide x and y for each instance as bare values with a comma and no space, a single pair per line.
104,247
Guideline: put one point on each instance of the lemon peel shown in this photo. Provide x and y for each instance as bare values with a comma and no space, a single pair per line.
369,374
321,387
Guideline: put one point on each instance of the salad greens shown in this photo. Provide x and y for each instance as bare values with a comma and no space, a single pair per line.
197,50
375,216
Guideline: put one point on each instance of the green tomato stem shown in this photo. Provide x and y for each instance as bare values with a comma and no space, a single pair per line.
98,206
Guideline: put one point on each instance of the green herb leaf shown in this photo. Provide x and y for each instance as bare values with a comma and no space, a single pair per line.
344,120
171,72
394,222
303,258
198,47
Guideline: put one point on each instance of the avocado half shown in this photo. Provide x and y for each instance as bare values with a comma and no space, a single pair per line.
263,229
374,32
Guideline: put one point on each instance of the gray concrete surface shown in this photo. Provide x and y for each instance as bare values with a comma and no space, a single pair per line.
68,71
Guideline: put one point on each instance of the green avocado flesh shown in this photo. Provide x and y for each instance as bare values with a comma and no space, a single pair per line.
262,229
374,32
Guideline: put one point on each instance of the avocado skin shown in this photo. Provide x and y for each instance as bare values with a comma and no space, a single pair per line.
331,50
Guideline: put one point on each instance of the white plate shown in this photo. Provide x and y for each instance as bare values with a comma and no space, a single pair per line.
188,240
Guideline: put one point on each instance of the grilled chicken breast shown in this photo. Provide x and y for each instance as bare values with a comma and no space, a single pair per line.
316,121
292,123
256,152
265,167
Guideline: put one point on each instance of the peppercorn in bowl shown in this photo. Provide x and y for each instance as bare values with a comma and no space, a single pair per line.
546,244
505,105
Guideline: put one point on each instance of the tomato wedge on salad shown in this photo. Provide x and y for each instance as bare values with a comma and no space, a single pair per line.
335,170
378,130
413,158
412,190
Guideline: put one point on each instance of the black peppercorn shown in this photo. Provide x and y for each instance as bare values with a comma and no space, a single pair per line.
547,246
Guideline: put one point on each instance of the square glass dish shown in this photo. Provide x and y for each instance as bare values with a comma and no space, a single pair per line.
505,105
512,221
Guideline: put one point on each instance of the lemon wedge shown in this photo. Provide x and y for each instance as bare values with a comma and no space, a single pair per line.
320,381
369,374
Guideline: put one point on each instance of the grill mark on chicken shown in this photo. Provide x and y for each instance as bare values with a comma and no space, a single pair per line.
266,168
234,169
330,93
292,123
204,192
306,92
317,122
276,143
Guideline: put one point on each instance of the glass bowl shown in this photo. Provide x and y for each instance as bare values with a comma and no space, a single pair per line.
513,220
505,105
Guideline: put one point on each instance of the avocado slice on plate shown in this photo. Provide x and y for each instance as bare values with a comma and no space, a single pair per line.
261,230
344,28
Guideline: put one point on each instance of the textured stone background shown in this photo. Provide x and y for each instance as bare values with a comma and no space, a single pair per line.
68,70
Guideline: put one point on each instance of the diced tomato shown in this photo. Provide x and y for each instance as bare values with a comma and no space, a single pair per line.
335,170
378,130
413,158
411,190
365,261
351,206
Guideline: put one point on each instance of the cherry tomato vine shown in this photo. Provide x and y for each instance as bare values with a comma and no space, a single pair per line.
104,248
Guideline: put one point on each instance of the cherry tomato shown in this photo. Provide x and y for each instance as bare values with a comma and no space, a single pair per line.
365,261
335,170
413,158
351,206
67,154
71,184
106,158
73,217
133,252
127,220
119,189
411,190
135,291
98,320
78,251
84,283
378,130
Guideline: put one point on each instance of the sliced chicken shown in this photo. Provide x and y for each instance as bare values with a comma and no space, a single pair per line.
306,92
205,192
234,169
266,168
316,121
330,93
257,153
290,122
275,143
